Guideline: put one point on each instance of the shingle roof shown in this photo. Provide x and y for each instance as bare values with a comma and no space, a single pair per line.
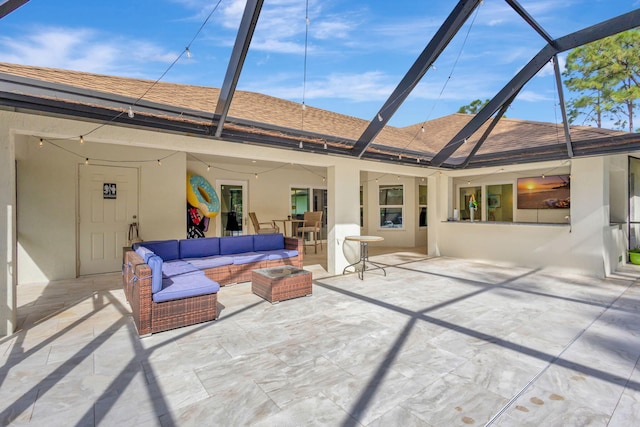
510,135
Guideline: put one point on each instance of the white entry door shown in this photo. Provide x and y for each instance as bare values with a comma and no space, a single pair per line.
108,203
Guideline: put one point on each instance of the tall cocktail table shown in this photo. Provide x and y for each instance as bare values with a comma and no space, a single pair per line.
277,284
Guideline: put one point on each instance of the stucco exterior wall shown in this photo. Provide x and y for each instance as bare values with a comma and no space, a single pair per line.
48,198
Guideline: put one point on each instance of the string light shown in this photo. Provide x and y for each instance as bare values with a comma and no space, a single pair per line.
417,160
159,162
399,156
41,142
422,129
81,139
325,146
131,113
304,106
256,176
188,52
86,161
300,145
324,179
379,117
208,168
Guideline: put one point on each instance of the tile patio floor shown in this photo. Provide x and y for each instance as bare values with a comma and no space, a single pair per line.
438,342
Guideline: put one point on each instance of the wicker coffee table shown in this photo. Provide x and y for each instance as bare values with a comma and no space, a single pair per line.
280,283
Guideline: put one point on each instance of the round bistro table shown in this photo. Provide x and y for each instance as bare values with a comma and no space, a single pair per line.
364,254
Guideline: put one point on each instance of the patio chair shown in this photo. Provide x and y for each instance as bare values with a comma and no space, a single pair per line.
312,224
263,227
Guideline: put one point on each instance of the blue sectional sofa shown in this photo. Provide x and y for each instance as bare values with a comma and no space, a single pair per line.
174,283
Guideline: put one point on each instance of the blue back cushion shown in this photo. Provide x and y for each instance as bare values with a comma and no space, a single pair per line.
236,245
268,242
199,248
166,249
155,263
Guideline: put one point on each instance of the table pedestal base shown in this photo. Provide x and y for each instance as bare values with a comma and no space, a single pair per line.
364,259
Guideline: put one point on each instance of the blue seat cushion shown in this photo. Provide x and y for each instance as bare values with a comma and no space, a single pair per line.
199,248
155,264
176,268
210,262
268,242
248,257
280,254
145,253
166,249
236,245
185,286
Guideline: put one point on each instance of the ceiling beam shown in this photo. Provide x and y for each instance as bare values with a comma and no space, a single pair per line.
440,40
8,6
565,122
238,55
487,132
596,32
529,19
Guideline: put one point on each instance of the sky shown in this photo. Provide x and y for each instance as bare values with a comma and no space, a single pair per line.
348,58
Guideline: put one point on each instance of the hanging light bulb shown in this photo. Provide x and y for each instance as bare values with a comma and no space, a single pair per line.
256,176
324,179
86,161
41,143
379,117
208,168
417,160
159,162
300,145
422,129
400,156
131,113
81,139
186,49
304,106
542,176
325,146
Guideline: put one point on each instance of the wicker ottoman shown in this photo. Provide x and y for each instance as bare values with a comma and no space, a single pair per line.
280,283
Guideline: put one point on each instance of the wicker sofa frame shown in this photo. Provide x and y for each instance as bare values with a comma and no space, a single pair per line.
151,317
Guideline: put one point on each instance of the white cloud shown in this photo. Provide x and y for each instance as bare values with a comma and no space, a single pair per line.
531,96
81,49
357,87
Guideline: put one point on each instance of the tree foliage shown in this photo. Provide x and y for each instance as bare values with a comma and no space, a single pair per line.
605,75
474,107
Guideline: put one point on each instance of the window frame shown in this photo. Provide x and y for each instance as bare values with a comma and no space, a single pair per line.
391,206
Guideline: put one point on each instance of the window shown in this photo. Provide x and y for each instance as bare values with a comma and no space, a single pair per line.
466,195
361,206
500,202
391,201
422,205
299,202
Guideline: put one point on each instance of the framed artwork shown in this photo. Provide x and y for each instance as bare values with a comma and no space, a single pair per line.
493,201
548,192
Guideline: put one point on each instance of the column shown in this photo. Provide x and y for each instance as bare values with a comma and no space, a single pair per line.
343,211
8,271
